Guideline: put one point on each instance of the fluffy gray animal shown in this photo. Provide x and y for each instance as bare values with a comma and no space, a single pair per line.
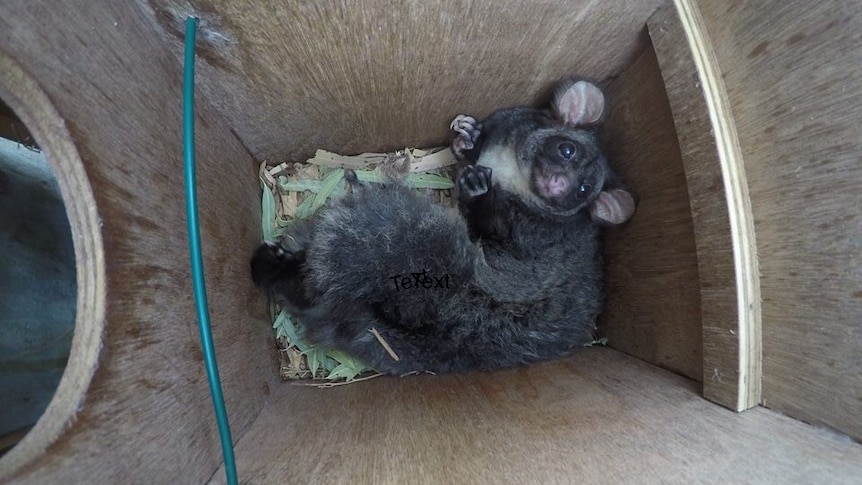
515,278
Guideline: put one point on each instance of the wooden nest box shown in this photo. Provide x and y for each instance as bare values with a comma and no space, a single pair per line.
737,285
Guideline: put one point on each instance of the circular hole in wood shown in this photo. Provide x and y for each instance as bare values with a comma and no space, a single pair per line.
37,282
52,291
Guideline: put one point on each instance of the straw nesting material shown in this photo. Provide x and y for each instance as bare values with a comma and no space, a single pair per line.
295,191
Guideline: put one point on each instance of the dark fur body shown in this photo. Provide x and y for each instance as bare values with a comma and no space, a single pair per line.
517,280
498,311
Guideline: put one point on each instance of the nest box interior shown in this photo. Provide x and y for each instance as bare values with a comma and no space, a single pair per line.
734,287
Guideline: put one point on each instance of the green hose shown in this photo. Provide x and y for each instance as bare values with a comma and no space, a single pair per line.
195,252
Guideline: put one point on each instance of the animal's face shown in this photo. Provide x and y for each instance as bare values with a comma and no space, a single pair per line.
554,162
565,169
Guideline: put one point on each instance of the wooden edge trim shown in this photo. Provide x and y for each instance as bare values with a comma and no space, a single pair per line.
738,203
23,94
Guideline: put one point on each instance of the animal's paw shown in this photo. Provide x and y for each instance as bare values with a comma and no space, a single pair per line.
271,259
468,131
474,181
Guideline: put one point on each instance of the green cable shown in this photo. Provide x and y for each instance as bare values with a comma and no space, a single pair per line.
195,252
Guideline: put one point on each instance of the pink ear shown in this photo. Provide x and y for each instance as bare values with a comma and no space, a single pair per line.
581,103
613,207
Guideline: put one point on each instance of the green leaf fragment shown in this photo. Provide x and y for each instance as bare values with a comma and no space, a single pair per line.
342,372
300,185
281,223
428,181
314,356
330,182
285,325
329,363
268,214
303,210
280,326
413,180
369,175
344,358
336,364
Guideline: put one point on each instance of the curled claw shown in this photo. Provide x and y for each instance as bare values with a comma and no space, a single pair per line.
468,131
462,123
466,127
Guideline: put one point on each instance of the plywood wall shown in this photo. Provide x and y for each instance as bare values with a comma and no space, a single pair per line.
654,308
288,78
147,415
793,72
292,77
720,206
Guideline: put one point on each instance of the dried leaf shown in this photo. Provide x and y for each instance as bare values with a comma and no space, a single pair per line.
289,201
312,172
432,161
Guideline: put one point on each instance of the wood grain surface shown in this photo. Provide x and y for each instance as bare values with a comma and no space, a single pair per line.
600,417
349,77
720,206
654,308
793,72
147,415
281,79
22,92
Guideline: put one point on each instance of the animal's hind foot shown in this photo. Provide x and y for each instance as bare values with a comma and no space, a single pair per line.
271,261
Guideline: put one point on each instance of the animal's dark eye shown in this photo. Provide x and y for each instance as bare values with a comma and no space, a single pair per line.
584,190
567,150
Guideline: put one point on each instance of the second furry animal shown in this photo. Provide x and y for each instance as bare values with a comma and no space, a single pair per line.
517,279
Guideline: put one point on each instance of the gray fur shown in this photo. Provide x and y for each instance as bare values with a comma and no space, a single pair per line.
523,285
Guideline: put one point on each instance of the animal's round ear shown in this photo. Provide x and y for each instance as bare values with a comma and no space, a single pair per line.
613,207
579,102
